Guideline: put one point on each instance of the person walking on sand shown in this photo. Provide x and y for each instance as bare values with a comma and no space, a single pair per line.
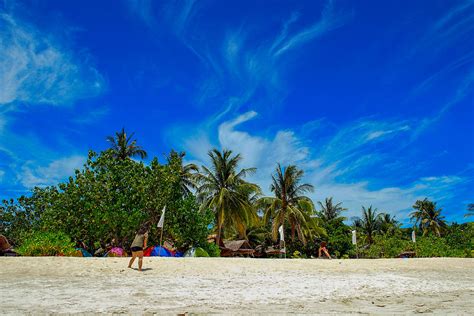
323,249
138,244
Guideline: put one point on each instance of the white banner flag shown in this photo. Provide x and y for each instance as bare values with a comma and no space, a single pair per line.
282,236
162,218
413,236
354,237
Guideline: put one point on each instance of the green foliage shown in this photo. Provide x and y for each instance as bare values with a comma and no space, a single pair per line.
330,211
123,147
369,224
111,198
296,255
16,219
428,217
290,206
201,252
460,237
187,226
223,189
47,244
113,195
339,238
456,243
212,249
387,247
434,246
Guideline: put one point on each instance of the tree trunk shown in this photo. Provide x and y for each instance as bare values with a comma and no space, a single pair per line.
219,229
218,238
292,231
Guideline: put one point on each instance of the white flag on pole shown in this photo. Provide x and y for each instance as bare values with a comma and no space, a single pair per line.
354,237
413,236
162,218
282,236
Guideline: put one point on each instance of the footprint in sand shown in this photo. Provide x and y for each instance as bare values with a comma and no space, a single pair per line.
140,294
422,311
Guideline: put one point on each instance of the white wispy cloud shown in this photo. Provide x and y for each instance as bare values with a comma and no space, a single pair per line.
38,67
329,21
465,60
464,90
455,25
33,174
3,122
347,151
35,68
92,116
143,9
283,147
237,67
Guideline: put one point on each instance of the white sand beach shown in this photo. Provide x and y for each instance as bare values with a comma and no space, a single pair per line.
57,285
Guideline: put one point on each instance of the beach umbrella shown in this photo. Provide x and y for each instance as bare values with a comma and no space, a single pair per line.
413,236
354,237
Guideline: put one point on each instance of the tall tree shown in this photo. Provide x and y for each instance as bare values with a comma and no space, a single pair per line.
289,205
223,189
187,172
388,224
470,210
369,223
123,147
428,217
329,210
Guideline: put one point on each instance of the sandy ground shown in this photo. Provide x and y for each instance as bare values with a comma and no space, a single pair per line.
56,285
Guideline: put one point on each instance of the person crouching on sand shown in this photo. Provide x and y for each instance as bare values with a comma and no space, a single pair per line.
138,244
323,249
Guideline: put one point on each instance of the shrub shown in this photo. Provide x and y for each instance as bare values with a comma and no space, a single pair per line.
47,244
433,246
201,252
296,255
213,250
387,247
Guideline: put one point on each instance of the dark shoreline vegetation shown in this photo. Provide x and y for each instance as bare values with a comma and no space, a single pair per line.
112,195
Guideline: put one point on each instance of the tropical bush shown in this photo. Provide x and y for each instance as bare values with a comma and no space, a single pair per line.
212,249
201,252
112,195
187,226
387,247
434,246
47,244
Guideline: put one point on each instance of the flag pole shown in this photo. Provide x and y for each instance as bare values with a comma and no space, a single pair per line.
161,242
413,239
161,224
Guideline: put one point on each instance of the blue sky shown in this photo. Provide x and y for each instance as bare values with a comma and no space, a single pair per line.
373,99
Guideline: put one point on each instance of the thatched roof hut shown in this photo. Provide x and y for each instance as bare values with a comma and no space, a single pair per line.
236,248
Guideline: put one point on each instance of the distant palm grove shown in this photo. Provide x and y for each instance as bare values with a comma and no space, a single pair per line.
113,195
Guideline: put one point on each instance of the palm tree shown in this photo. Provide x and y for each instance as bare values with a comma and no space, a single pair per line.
470,210
329,211
388,224
187,172
124,147
289,204
222,188
369,223
427,217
